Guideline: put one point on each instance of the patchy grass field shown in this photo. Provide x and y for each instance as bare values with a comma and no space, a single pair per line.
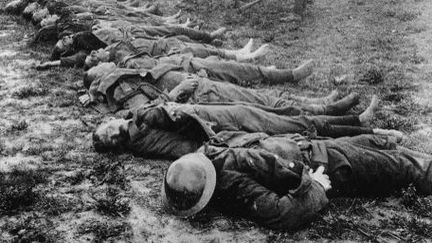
55,188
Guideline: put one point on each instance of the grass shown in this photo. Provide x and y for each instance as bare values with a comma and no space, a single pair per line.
105,171
420,206
55,205
19,126
104,230
17,189
353,41
32,228
30,91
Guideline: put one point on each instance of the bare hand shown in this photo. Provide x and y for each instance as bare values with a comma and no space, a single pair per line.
320,177
85,100
42,66
182,92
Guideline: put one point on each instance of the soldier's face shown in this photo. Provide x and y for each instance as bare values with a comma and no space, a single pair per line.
67,40
59,45
95,57
49,20
113,133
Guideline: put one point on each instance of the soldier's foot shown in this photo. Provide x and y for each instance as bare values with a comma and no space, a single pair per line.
331,97
394,133
263,50
241,54
177,15
341,106
303,70
187,24
327,100
218,33
369,113
353,99
248,47
173,19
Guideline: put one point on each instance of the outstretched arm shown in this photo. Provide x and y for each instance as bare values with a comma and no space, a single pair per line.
75,60
48,65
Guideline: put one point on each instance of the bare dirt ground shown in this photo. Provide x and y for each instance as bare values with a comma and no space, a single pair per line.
55,188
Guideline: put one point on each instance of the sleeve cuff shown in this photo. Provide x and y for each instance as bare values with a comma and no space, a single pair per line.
305,183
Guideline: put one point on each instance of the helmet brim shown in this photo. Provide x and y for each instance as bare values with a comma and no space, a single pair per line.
206,195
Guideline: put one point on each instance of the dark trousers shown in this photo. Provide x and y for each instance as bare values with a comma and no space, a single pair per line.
169,31
374,166
338,126
238,73
251,119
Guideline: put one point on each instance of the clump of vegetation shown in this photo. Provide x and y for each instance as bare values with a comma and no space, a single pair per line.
55,205
332,227
29,91
107,171
406,16
2,147
395,97
62,99
389,120
112,202
104,230
421,206
407,106
38,148
409,228
339,223
77,177
32,228
20,126
372,75
17,189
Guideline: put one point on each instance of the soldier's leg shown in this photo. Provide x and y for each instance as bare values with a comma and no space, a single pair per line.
308,100
369,171
208,91
205,50
239,72
193,34
374,141
361,120
339,107
250,119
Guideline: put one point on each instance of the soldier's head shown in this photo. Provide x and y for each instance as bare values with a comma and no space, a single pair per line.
39,15
49,20
67,39
31,9
111,136
96,57
98,71
63,44
189,184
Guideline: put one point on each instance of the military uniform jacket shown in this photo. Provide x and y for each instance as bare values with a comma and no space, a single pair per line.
273,189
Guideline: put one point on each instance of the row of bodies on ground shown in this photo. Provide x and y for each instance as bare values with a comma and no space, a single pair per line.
268,155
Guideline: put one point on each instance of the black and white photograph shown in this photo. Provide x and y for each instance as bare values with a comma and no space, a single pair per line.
189,121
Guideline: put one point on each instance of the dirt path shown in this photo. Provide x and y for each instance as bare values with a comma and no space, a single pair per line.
55,188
